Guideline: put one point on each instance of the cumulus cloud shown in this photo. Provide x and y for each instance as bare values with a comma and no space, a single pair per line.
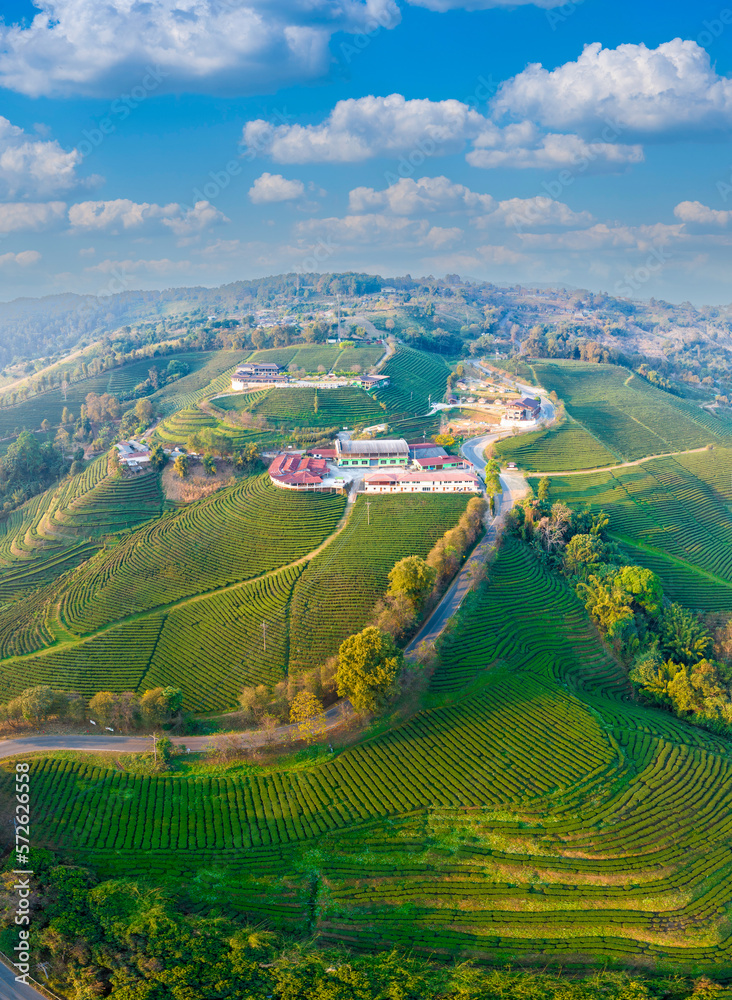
91,48
440,194
361,128
123,214
414,130
534,213
603,237
428,194
30,165
274,187
26,258
652,92
523,145
699,215
191,221
373,229
20,215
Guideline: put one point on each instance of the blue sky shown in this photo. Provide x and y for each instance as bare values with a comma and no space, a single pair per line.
171,142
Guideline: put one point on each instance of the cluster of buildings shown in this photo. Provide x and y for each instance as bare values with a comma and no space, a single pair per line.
267,374
399,467
134,455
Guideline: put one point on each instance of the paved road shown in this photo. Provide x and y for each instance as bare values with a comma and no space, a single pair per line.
10,990
334,716
514,486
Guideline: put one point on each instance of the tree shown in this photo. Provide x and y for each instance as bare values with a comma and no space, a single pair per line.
158,458
182,465
683,636
445,440
542,492
209,465
248,458
36,703
144,411
395,614
368,666
582,551
115,465
412,577
45,426
160,705
307,712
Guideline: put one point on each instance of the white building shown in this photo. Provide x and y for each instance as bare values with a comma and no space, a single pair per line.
133,454
449,481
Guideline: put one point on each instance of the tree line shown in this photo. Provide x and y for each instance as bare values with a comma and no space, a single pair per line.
675,657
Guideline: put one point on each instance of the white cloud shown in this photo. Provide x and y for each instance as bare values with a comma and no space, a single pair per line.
91,48
189,221
373,229
21,215
534,213
361,128
522,145
428,194
440,194
274,187
604,237
32,165
414,130
654,92
162,266
123,214
26,258
696,214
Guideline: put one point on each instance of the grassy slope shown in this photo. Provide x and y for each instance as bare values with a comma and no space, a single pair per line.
537,815
626,414
215,543
337,593
673,515
568,446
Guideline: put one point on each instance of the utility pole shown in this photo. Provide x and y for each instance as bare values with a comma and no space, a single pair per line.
264,635
368,511
155,748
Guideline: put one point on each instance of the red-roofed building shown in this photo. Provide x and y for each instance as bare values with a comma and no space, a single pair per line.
454,481
298,472
440,462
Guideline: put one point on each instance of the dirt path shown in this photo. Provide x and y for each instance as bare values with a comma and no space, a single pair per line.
622,465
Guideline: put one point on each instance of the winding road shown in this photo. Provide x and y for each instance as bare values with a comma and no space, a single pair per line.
514,487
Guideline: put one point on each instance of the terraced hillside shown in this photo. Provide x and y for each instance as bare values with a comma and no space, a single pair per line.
672,515
630,417
568,446
170,560
312,357
297,407
56,530
536,815
204,365
415,378
337,592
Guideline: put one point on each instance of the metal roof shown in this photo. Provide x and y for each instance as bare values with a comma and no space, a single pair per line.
394,447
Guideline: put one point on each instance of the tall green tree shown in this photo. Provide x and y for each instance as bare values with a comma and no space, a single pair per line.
368,666
412,577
